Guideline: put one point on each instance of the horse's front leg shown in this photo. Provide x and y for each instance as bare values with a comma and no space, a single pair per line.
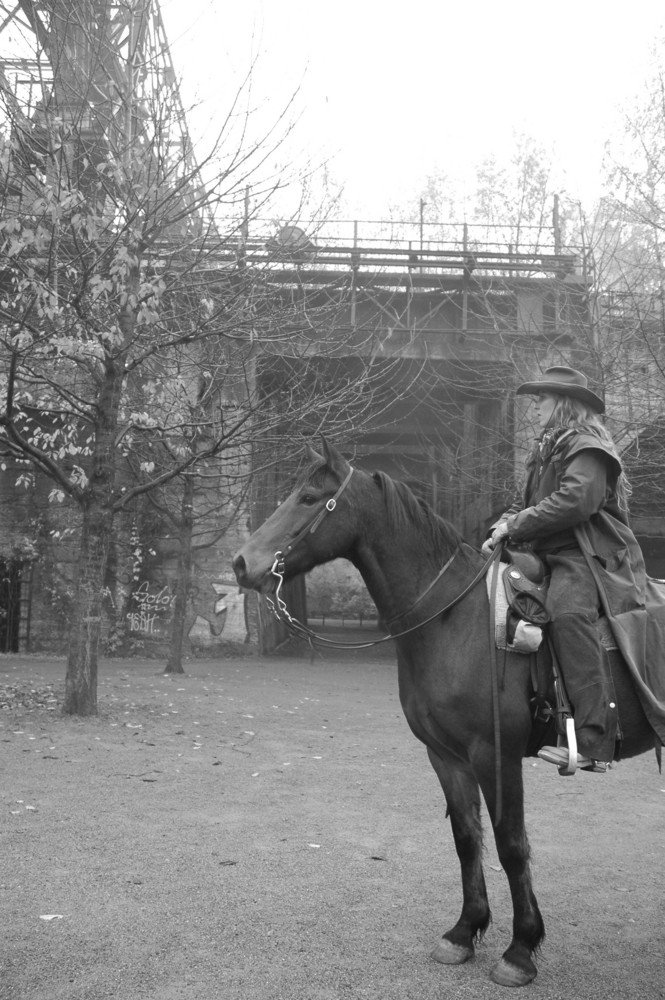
463,801
516,967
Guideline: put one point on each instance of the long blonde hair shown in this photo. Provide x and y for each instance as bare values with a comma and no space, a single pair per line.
573,414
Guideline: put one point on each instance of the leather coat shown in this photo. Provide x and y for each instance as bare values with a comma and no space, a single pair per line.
570,500
568,481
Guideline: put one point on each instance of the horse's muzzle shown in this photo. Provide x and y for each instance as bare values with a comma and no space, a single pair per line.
240,570
266,583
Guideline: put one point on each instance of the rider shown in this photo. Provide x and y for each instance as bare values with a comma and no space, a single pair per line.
573,513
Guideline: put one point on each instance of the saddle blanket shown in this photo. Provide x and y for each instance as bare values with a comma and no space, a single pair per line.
531,640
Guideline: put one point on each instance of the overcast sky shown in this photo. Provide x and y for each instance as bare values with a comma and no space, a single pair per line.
392,92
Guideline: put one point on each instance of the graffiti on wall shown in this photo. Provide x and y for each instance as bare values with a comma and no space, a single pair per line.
219,613
150,609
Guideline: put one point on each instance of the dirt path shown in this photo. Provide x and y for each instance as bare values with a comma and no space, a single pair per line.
270,829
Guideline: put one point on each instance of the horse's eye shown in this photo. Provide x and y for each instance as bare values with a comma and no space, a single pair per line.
308,499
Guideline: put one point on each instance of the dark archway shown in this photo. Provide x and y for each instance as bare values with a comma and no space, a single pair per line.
10,605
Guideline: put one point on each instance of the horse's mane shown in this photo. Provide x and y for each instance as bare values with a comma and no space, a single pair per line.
406,510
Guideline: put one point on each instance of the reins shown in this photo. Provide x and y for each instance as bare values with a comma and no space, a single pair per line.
282,613
421,597
494,681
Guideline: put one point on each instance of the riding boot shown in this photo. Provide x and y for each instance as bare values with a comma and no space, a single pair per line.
587,677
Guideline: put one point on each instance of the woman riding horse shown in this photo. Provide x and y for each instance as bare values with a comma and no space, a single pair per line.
573,512
477,725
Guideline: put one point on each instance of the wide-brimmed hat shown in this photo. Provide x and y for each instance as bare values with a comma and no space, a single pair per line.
563,381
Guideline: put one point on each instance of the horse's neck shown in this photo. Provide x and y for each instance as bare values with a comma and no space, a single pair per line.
396,573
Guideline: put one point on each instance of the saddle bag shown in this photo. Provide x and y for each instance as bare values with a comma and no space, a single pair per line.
525,584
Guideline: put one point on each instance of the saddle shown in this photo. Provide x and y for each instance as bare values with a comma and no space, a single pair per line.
521,593
521,615
521,618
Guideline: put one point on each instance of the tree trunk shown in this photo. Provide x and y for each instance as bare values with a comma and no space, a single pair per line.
183,581
85,631
97,510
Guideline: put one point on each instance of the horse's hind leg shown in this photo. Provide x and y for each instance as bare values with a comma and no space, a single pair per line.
463,800
516,967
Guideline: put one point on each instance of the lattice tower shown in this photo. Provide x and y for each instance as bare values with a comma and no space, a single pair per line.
98,70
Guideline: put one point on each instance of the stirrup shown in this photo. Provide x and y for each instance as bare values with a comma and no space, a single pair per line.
567,750
571,740
559,756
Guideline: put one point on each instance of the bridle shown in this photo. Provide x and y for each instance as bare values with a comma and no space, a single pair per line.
277,568
282,613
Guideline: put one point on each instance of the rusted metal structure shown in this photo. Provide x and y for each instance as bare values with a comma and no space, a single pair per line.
458,317
448,317
462,314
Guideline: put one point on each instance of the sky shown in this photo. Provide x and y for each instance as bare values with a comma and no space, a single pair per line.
391,93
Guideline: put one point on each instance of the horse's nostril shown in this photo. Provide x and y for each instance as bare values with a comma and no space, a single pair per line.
238,564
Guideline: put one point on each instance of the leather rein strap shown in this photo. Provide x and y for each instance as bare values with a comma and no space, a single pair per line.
421,597
494,679
282,613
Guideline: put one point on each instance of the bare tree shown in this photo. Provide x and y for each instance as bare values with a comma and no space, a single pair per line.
625,238
137,348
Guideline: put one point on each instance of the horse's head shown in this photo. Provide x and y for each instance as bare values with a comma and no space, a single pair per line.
307,529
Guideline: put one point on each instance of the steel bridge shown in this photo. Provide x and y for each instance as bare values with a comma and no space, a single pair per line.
454,313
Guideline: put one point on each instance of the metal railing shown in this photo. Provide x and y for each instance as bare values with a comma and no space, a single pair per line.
399,251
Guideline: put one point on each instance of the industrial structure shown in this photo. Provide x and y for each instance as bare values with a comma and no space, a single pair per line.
458,317
448,318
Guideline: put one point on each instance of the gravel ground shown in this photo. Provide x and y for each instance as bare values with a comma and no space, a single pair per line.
264,829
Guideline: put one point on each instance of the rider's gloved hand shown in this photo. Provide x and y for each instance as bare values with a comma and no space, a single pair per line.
500,532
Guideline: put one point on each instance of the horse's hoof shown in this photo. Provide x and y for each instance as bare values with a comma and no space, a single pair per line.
506,974
451,954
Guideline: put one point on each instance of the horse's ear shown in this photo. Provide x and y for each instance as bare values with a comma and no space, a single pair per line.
334,458
313,456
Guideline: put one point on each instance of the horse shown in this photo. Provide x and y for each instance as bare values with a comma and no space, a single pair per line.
425,581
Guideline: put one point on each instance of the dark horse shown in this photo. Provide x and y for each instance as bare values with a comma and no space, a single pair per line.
447,690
